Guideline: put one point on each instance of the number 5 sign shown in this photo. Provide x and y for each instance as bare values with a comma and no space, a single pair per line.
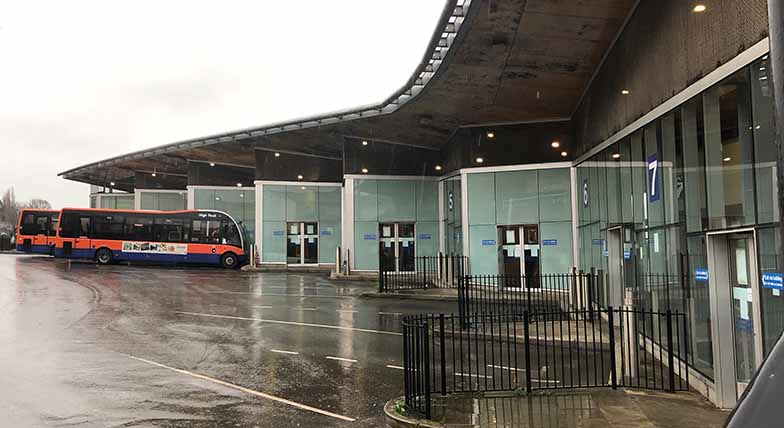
653,178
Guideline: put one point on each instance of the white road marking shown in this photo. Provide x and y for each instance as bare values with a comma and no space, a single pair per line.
263,307
473,375
506,368
390,313
276,294
247,390
304,309
348,311
348,360
395,367
334,327
284,352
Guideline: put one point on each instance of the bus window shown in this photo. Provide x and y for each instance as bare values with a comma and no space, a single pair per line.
108,226
205,231
41,224
168,230
230,234
53,226
75,225
139,228
28,224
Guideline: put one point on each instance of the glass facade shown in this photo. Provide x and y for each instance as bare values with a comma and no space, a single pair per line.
517,198
238,202
164,201
708,165
393,201
284,205
115,201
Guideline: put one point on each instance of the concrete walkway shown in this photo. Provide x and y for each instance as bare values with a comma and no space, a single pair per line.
583,408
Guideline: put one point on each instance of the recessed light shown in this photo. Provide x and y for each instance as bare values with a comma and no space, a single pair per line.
727,159
217,198
364,142
490,134
239,184
625,92
277,155
564,154
242,195
555,144
154,174
479,160
212,163
111,183
299,177
303,187
700,8
364,170
616,156
438,167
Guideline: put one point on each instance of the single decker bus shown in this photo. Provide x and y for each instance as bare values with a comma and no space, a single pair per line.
193,236
36,231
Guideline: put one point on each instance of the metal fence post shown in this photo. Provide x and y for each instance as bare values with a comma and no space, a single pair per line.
443,353
670,350
591,279
527,342
426,373
611,332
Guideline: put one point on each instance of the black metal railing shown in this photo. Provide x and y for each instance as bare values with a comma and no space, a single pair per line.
501,353
441,271
550,294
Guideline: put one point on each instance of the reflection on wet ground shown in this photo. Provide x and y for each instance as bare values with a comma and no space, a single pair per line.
600,407
82,345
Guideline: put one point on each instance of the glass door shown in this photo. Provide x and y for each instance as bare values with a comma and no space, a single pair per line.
310,243
302,243
293,244
744,312
511,255
397,250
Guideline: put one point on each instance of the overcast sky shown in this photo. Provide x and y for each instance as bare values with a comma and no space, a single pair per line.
82,80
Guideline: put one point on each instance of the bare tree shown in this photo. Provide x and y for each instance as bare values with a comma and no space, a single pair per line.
9,210
40,204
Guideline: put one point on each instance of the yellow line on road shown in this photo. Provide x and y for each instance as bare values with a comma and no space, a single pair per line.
247,390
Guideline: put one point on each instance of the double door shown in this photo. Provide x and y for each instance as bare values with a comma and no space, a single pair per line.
519,254
302,243
397,246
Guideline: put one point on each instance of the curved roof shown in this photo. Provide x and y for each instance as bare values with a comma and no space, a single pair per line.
488,62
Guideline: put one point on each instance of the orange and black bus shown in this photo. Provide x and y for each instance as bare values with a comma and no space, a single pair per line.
194,236
36,231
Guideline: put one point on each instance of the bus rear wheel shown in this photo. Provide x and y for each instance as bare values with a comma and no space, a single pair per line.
229,260
104,256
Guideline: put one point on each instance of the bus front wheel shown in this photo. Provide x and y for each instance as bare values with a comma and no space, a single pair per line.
229,260
104,256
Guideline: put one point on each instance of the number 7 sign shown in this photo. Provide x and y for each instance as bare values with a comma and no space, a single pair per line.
653,178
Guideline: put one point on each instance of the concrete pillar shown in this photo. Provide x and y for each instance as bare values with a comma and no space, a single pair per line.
776,31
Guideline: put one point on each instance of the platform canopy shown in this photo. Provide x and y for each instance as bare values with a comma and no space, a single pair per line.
489,62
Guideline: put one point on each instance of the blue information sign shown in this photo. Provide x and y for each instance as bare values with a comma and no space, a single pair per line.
278,233
370,237
424,236
701,274
627,255
326,233
598,242
488,242
774,280
653,178
549,242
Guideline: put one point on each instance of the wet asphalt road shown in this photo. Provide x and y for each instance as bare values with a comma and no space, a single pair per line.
89,346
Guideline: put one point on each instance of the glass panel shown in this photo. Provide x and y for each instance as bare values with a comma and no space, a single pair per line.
396,200
772,301
427,201
764,142
728,142
329,204
742,311
386,245
274,203
484,250
366,245
204,199
427,238
625,175
481,199
310,243
694,165
556,250
329,240
516,197
614,194
301,204
406,250
699,307
274,240
293,244
366,200
639,168
555,195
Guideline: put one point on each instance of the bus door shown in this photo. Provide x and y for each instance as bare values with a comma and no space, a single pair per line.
75,235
